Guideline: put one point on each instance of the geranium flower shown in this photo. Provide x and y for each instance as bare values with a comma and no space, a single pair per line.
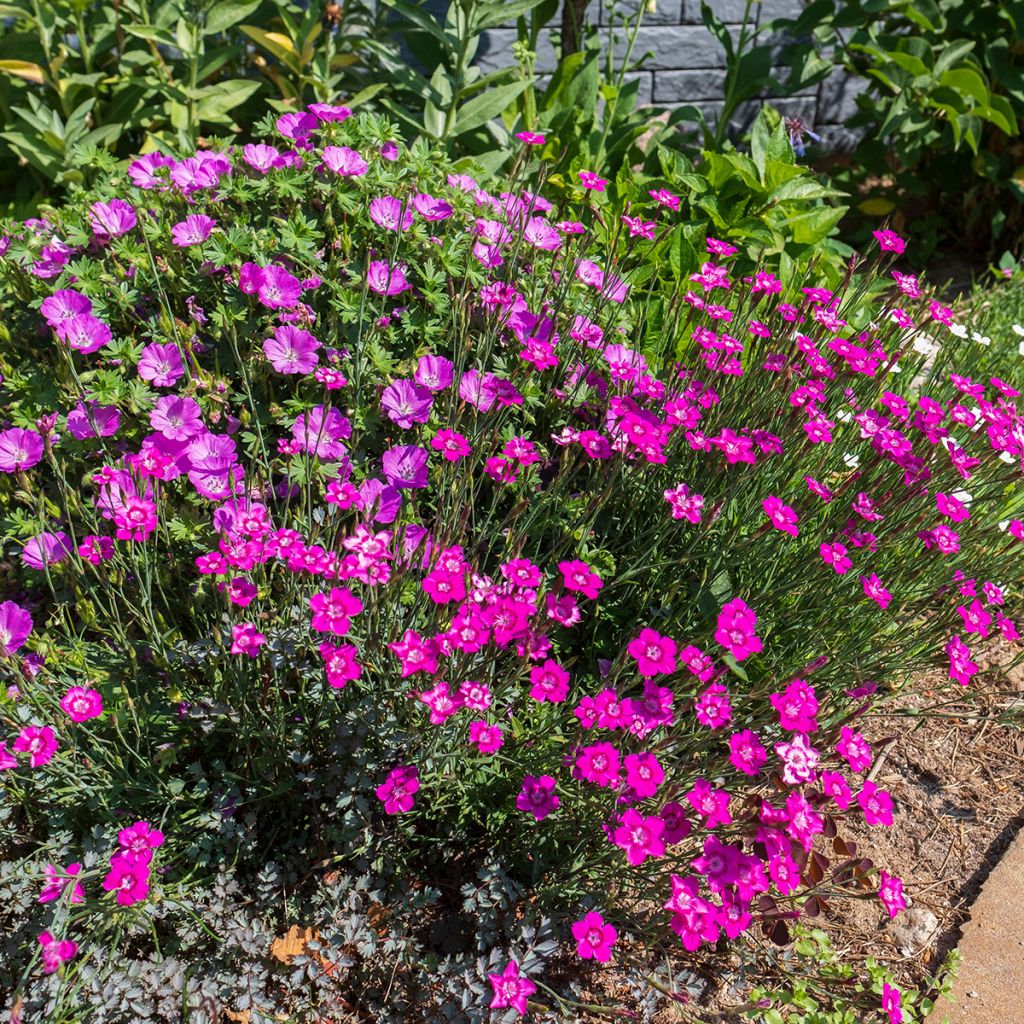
15,627
291,350
193,230
113,219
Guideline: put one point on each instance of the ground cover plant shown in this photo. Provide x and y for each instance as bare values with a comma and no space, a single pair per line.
457,573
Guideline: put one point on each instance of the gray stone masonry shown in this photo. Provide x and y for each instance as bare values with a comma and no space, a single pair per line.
685,64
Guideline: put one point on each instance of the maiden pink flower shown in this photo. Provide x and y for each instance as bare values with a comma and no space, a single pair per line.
246,639
710,803
891,1002
746,753
589,180
594,938
873,588
735,629
644,774
599,764
961,667
332,612
511,989
487,738
781,515
340,663
55,952
138,841
57,882
129,878
39,742
655,654
835,555
876,804
890,892
537,796
81,703
579,577
854,749
399,789
640,836
549,682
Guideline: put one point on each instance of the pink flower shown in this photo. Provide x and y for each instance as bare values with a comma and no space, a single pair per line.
664,198
161,365
746,753
390,213
80,704
835,555
530,138
713,708
340,663
63,305
538,796
833,785
799,759
430,208
19,449
735,632
594,938
549,682
405,466
640,836
193,230
854,749
644,774
599,764
322,431
655,654
110,220
961,667
344,161
15,627
511,989
129,878
386,280
876,804
416,654
580,578
246,639
398,790
797,706
139,841
685,504
55,953
889,241
39,742
891,1000
291,350
781,515
488,738
57,883
589,180
873,588
332,613
890,892
710,803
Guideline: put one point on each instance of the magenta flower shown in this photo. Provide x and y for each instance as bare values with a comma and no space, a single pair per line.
405,466
193,230
889,241
799,761
177,419
329,112
344,161
434,373
710,803
579,577
655,654
406,403
246,639
58,882
876,804
599,764
451,444
398,790
511,989
55,953
161,365
84,333
854,749
340,664
416,653
430,208
549,682
80,704
644,774
890,892
15,627
46,549
746,753
63,305
321,432
538,796
735,629
297,126
589,180
129,878
19,449
835,555
379,500
781,515
873,588
390,213
530,138
487,738
891,1002
332,612
291,350
92,420
386,280
39,742
640,836
139,841
110,220
594,938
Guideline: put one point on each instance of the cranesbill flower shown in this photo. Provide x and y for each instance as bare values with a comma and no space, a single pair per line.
406,403
260,157
15,627
84,333
46,549
177,418
92,420
405,466
322,431
63,305
511,989
386,280
81,703
193,230
537,796
594,938
431,208
390,213
19,449
435,373
110,220
161,365
343,161
39,742
291,350
398,790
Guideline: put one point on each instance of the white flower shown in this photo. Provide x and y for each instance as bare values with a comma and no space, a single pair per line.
844,416
958,329
965,496
895,368
980,338
1007,458
852,461
925,345
1017,329
1020,349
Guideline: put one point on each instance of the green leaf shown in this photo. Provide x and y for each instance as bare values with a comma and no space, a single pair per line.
682,257
479,110
499,13
227,13
966,81
422,20
718,29
216,100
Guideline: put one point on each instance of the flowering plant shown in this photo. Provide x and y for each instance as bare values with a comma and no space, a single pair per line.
437,525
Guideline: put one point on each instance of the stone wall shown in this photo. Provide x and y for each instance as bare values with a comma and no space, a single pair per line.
686,64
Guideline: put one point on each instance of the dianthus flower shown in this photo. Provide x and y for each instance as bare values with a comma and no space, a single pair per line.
579,577
644,774
594,938
511,989
129,878
599,764
57,883
890,892
891,1001
854,749
39,742
537,796
782,517
712,707
80,704
710,803
246,639
797,706
800,760
398,790
735,629
55,952
873,588
876,804
746,753
640,836
487,738
655,654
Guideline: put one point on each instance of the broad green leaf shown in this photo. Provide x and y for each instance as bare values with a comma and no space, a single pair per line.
227,13
422,20
216,100
151,33
280,46
967,81
499,13
479,110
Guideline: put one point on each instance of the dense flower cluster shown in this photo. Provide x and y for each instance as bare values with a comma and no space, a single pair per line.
432,447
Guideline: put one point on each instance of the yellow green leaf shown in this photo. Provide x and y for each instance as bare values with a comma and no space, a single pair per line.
23,69
274,43
876,207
